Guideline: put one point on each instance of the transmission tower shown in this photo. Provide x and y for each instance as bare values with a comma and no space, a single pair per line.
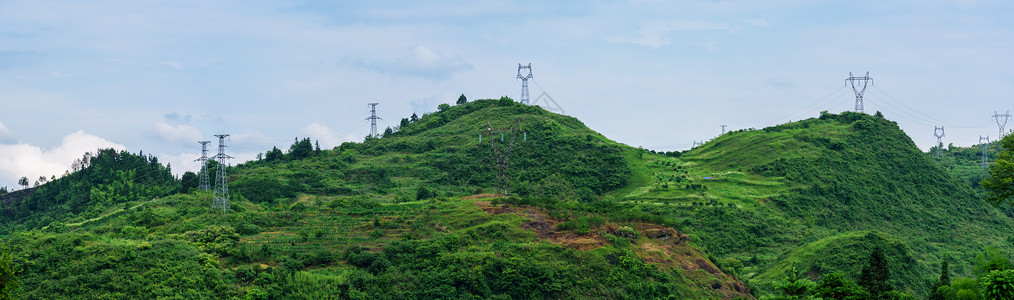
524,82
985,156
997,116
723,129
204,185
502,148
939,136
221,199
373,119
859,89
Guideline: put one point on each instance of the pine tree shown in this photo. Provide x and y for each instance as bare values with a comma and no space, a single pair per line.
874,277
945,280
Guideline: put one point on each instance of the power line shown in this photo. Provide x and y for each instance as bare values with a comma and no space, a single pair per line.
859,90
524,82
221,199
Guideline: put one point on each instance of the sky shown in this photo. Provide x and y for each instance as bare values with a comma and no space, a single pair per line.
158,76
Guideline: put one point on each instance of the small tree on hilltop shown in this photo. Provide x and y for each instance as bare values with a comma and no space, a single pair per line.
1001,174
461,100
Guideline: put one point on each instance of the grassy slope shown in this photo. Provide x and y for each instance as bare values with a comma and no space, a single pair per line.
346,221
779,193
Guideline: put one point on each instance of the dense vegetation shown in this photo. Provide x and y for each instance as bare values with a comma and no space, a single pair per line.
835,206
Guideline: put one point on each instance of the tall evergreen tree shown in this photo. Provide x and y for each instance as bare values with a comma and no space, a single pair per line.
874,277
413,118
461,100
945,280
1001,175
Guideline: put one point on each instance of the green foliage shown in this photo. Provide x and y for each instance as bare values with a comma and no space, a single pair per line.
10,283
795,285
876,275
998,284
301,149
837,286
1000,182
461,100
991,259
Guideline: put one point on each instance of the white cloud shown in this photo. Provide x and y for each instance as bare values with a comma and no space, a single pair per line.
24,160
183,134
421,62
6,136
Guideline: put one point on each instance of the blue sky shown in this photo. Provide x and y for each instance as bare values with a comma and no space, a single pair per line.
156,76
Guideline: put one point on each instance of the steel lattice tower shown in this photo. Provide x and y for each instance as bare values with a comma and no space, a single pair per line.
939,136
373,119
985,156
524,82
723,129
501,155
221,199
997,116
204,185
859,90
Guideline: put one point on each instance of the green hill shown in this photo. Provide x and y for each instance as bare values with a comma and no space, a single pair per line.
409,214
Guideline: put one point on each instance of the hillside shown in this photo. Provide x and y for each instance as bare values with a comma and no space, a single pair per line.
762,196
409,214
398,216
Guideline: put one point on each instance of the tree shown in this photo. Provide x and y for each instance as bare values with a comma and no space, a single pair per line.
388,132
794,285
10,285
461,100
274,155
998,284
413,118
874,277
443,107
300,149
1000,183
23,182
189,180
945,280
836,286
404,122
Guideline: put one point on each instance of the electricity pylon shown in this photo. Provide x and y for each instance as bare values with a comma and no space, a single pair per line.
204,185
502,147
985,156
373,119
940,137
859,90
524,82
221,199
997,116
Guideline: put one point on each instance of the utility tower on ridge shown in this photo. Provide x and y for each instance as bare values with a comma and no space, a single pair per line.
221,199
373,119
524,82
723,129
997,116
204,185
859,89
939,136
985,156
502,147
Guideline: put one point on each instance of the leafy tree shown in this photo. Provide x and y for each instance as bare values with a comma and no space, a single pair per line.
413,118
23,182
1000,183
443,107
998,284
189,180
300,149
836,286
461,100
422,192
989,260
388,132
404,122
274,155
794,285
874,277
945,280
10,285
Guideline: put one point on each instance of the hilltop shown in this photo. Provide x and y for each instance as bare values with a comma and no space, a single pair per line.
410,214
